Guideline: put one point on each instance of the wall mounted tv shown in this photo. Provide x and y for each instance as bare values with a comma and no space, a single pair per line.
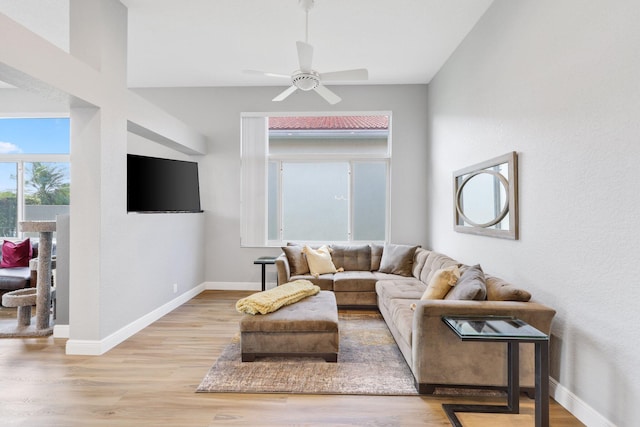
162,185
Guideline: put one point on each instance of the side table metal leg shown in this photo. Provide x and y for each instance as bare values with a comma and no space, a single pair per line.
542,384
264,277
513,377
513,391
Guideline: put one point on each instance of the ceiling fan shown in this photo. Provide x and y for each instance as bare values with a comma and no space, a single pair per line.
306,78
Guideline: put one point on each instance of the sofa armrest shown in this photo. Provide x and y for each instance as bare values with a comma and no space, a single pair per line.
284,272
440,357
535,314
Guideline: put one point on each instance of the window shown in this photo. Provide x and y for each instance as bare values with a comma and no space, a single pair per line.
34,171
315,178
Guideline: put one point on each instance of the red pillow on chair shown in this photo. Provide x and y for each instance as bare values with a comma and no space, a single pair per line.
16,254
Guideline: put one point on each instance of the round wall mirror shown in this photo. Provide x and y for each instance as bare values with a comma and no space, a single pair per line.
481,199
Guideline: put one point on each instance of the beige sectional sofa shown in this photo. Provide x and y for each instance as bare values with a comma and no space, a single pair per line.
395,283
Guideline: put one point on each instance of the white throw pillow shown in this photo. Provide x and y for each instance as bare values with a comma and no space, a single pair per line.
319,260
441,283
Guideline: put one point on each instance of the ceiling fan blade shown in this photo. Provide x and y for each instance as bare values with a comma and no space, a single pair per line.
266,73
328,95
357,74
305,55
288,91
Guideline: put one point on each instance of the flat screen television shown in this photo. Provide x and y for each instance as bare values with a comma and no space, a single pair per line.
162,185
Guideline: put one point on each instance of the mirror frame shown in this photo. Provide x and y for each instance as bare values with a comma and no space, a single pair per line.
511,207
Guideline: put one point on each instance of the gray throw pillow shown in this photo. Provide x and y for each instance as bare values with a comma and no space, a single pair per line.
376,256
297,261
470,286
397,259
499,290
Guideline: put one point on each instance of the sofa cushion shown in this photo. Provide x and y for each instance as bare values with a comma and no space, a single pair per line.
397,259
441,283
402,317
419,259
352,257
389,276
296,259
470,286
435,261
315,313
376,256
400,289
354,281
319,260
12,279
16,254
500,290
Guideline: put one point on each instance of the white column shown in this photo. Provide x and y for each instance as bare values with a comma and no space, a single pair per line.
98,173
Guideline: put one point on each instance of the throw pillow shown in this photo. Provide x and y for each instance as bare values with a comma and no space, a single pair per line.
16,254
441,283
376,256
470,286
319,260
297,261
499,290
397,259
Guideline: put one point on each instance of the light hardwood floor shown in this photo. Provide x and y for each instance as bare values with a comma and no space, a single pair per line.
150,380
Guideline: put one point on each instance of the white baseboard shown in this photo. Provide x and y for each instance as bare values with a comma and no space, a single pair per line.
61,331
578,407
96,348
236,286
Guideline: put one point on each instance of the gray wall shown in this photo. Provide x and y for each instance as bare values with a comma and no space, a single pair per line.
216,113
558,82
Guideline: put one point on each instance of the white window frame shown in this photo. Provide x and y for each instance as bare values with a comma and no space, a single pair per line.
254,220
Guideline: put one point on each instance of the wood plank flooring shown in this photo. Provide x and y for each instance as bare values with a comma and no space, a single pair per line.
150,380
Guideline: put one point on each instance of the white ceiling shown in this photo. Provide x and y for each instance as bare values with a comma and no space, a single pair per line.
180,43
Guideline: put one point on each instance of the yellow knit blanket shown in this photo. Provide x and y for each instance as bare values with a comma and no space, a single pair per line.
273,299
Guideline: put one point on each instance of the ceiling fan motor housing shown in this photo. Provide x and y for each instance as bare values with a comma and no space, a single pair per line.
306,80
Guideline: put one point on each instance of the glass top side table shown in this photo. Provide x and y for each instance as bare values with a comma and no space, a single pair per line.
512,331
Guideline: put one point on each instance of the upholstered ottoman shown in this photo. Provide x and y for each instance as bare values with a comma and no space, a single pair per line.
306,328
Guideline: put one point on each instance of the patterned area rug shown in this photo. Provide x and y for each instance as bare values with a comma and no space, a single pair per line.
369,363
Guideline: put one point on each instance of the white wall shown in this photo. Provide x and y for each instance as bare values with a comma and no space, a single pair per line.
161,249
558,82
215,112
20,103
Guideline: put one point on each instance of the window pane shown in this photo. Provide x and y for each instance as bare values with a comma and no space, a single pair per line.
46,191
315,201
369,200
8,199
34,136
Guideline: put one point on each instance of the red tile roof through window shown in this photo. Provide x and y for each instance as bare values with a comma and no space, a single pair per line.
329,122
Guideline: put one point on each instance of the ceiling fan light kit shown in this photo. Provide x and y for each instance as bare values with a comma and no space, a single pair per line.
306,78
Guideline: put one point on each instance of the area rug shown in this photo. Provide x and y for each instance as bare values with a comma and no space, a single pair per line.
369,363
